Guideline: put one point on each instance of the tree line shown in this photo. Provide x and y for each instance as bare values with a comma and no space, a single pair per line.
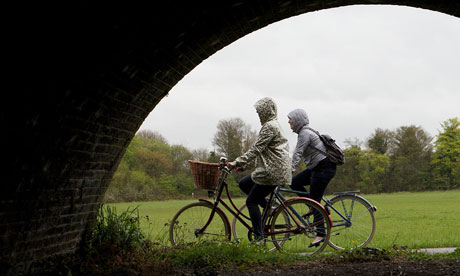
405,159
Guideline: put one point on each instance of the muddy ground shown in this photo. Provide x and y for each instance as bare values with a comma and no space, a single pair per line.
404,267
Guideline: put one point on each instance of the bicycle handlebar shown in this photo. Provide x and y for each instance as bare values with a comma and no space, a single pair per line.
224,164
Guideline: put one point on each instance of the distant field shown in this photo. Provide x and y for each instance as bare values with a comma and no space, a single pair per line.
416,220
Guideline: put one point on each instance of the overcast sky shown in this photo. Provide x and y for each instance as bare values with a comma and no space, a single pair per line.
353,69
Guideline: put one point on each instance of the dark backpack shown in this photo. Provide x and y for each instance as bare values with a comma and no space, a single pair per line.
333,151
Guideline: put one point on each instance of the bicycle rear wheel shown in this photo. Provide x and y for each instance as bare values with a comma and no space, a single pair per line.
185,225
359,227
313,221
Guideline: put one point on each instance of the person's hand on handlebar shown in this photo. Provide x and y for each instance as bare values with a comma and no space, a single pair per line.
233,165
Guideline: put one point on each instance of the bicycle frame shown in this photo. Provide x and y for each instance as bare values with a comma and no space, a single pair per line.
347,221
222,183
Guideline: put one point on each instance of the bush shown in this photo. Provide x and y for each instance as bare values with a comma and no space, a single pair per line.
121,231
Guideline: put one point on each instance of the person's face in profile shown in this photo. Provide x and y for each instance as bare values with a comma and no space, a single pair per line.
291,124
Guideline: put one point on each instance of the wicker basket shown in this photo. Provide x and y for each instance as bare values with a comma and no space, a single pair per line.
204,174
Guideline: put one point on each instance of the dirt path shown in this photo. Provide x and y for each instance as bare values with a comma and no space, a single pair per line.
424,268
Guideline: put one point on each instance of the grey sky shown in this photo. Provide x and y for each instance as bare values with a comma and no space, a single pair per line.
353,69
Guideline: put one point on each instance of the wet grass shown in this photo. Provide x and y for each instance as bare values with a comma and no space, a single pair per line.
412,220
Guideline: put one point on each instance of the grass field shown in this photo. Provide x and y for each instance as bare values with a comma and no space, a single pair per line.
416,220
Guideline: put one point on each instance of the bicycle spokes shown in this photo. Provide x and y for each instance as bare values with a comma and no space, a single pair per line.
353,222
295,227
187,225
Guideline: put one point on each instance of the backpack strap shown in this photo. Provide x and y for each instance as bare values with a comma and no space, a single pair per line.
321,139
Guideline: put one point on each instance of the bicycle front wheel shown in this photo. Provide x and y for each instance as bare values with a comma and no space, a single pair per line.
186,225
354,227
238,230
312,220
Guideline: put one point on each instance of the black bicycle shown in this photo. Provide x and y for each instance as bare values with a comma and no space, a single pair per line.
289,224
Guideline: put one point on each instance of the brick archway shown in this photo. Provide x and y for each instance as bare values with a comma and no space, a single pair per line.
83,79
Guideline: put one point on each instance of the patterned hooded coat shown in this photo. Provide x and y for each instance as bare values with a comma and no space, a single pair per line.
270,150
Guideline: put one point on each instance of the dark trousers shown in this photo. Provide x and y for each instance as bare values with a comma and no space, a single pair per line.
317,178
256,197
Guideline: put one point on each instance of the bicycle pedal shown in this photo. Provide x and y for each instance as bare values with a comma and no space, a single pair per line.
259,242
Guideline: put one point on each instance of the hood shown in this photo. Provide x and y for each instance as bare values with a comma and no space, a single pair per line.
299,118
266,108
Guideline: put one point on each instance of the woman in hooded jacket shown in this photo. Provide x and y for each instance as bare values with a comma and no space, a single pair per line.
272,163
319,171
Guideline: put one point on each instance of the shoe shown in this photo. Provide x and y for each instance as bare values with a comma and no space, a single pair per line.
316,244
258,240
310,212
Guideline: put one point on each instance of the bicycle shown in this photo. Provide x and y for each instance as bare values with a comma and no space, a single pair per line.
352,216
289,225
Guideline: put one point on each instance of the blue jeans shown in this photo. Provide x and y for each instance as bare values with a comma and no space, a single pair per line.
256,197
317,178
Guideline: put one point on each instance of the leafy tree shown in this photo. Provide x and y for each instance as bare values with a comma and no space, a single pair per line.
373,168
410,153
149,134
233,136
152,162
250,137
353,143
379,141
213,157
446,158
154,145
180,156
169,186
140,182
347,177
200,154
397,160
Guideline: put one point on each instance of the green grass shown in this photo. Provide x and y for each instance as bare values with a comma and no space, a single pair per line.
416,220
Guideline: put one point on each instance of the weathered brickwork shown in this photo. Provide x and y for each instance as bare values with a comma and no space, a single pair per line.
84,88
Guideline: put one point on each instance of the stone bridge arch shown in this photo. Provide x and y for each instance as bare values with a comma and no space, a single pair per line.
83,78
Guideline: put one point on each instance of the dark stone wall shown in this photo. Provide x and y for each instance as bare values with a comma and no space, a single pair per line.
81,78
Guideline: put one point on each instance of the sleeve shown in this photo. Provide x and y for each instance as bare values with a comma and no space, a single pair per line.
303,140
266,134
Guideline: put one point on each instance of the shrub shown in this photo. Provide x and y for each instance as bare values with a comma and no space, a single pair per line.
122,230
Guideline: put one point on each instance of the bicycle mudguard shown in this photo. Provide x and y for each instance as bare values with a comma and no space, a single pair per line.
373,208
309,199
301,197
347,192
218,210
